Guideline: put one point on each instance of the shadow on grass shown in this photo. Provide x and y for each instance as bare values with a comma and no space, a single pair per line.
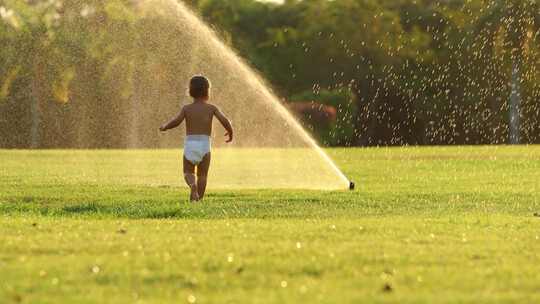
171,203
168,203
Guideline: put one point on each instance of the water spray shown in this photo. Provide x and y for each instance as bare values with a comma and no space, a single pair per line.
272,148
269,99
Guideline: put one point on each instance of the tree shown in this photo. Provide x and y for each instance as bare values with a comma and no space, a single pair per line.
38,57
516,21
413,71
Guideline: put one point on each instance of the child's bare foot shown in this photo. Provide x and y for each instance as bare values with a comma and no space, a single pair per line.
194,197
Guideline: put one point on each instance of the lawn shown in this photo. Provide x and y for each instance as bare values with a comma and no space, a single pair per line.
425,225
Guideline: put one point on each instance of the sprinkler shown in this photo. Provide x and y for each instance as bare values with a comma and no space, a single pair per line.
351,185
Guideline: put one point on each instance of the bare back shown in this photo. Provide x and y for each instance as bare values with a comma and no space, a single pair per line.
198,117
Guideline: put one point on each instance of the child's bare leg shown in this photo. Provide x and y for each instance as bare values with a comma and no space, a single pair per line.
191,181
202,173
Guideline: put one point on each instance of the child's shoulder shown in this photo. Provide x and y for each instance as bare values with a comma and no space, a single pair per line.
212,106
197,107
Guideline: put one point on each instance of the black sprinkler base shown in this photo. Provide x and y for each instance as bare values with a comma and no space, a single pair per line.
351,186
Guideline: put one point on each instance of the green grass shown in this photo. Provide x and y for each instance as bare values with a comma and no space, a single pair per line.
240,168
426,225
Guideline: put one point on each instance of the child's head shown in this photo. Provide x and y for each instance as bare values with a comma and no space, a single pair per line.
199,87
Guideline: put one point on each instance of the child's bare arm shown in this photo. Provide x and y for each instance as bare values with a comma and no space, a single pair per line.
175,122
225,123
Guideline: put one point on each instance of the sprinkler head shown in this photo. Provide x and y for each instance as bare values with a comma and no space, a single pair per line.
351,186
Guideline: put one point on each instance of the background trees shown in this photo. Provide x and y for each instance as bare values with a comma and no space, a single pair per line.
511,27
419,72
394,72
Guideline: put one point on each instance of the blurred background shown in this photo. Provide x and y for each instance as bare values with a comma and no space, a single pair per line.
355,72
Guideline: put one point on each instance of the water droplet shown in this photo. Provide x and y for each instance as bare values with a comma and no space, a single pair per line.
191,299
284,284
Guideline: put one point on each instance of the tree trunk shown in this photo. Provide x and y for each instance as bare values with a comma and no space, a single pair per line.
514,104
35,105
134,111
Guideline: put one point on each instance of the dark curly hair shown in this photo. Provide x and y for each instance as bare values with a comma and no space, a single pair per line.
199,87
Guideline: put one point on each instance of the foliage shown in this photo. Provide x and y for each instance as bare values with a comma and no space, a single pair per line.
339,132
418,71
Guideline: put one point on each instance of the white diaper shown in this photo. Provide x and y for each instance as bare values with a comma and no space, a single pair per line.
196,147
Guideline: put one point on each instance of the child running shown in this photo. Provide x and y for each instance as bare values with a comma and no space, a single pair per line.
198,116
